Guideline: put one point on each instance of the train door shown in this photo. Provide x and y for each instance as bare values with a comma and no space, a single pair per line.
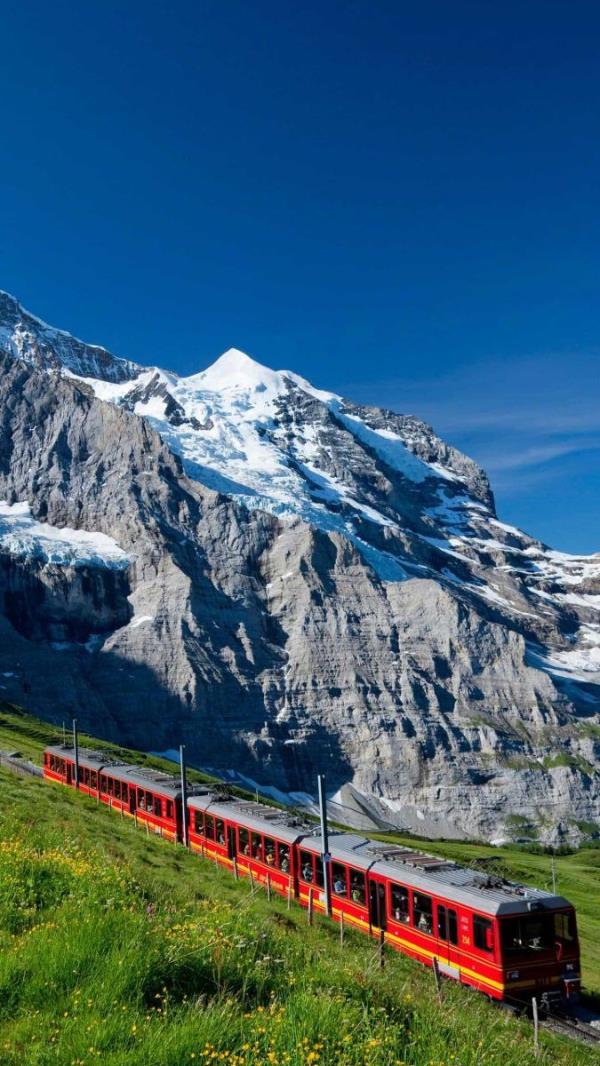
231,849
132,799
377,907
69,777
447,937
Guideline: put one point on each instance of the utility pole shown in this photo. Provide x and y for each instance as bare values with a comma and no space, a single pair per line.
184,813
76,750
325,856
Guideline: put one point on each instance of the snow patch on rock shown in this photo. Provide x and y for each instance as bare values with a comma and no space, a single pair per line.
22,535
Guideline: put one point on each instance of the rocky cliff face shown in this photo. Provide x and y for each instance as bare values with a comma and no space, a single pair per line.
288,583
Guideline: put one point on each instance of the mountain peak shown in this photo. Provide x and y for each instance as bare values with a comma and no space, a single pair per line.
235,369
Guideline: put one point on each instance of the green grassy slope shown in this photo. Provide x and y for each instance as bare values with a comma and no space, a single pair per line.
123,949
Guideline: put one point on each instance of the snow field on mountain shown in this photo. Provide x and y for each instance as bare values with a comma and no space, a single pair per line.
22,535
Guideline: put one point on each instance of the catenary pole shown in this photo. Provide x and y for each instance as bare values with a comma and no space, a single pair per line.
184,813
76,751
325,856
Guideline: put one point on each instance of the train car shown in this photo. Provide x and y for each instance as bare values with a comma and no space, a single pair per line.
149,796
506,940
259,839
59,765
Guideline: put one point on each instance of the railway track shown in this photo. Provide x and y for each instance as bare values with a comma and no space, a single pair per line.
574,1028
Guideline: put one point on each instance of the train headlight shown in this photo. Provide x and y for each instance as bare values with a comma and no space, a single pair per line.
569,967
513,975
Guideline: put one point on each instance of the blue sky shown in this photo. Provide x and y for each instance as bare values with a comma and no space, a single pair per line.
398,201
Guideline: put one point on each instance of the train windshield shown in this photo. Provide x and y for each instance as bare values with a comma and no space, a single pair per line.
531,934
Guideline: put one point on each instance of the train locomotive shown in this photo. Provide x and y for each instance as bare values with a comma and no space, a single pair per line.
509,941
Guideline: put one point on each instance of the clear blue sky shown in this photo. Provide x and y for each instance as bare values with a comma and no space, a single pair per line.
399,201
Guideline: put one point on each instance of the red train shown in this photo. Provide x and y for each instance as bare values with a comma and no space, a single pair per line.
506,940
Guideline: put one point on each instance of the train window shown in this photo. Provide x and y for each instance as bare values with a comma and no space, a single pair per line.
86,776
158,806
423,912
198,823
529,934
210,827
284,858
94,779
358,893
482,933
269,851
141,799
170,809
244,837
452,927
149,800
306,866
339,879
111,786
442,922
319,880
256,846
399,908
102,783
564,927
123,792
220,832
117,790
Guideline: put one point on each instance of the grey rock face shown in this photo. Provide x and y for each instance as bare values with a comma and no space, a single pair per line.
275,643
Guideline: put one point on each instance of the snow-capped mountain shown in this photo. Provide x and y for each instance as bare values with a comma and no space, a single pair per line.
337,570
270,440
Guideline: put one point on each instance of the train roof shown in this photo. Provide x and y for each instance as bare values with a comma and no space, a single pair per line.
254,816
95,760
487,893
141,776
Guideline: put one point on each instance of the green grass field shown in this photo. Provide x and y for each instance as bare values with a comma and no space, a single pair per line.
118,948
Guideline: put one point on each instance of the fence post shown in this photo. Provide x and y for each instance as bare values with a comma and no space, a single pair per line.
289,894
438,979
269,887
381,949
235,869
536,1027
310,906
342,928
